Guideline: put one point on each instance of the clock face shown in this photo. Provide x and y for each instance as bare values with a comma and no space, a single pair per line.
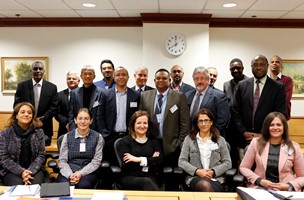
175,44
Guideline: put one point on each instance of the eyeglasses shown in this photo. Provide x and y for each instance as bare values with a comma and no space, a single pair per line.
201,79
204,121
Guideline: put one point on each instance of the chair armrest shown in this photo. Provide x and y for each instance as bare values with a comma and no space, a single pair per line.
231,173
105,164
239,179
52,164
178,170
115,169
167,170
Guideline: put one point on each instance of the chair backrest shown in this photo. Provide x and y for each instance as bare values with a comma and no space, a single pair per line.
59,141
116,146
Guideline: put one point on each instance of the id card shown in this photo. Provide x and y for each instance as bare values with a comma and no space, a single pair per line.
159,118
82,147
145,169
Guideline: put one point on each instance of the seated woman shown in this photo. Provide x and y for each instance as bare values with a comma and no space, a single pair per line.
141,155
81,153
204,155
279,161
22,151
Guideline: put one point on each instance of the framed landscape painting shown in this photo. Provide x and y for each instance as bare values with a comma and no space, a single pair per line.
17,69
295,69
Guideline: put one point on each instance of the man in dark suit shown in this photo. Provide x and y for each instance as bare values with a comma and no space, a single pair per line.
72,81
42,94
254,99
141,77
87,96
117,105
177,74
206,97
171,118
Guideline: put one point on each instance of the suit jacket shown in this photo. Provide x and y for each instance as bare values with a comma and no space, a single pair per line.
287,81
76,102
63,111
190,159
47,107
217,102
184,88
291,168
229,89
272,98
106,116
176,121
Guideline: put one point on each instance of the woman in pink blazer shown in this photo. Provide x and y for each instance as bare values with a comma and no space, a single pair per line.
279,161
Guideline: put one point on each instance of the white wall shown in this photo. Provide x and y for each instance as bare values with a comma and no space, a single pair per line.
71,48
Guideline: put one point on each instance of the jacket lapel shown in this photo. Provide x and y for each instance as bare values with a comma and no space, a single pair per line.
264,155
206,98
284,151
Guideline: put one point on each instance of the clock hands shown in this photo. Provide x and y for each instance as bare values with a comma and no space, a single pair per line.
174,45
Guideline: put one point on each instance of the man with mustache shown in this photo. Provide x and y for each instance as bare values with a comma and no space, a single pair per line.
177,74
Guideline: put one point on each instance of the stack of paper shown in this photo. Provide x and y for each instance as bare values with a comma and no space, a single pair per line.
118,195
26,190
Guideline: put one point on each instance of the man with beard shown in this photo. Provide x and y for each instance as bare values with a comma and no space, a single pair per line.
107,70
276,74
72,81
206,97
236,69
42,94
141,77
177,74
255,98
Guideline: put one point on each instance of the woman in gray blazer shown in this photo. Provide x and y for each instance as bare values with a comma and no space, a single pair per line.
204,155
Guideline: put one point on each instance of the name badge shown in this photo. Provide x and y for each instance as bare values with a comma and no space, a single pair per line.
95,104
145,169
159,118
214,146
173,109
82,147
133,104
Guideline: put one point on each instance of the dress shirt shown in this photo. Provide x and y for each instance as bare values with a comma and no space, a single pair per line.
205,150
65,169
261,84
142,88
121,111
161,124
39,88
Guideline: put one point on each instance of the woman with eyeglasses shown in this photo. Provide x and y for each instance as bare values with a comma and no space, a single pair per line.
204,155
81,153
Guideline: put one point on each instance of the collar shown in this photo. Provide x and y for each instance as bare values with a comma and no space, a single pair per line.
203,92
77,135
164,94
34,82
262,80
142,88
178,88
116,91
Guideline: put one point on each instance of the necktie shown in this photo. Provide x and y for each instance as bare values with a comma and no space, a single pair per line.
158,109
256,96
139,90
196,105
36,95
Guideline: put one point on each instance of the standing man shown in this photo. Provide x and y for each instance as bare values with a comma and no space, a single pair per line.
72,81
177,74
206,97
107,69
42,94
236,69
276,74
87,96
141,77
213,76
254,99
170,115
117,105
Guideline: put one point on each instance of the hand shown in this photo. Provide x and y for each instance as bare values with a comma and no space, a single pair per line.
156,154
27,177
75,178
256,135
248,136
204,173
130,158
279,186
266,184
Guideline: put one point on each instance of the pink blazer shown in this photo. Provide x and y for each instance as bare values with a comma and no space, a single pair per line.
291,164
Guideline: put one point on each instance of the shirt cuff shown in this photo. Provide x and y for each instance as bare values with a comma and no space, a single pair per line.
143,161
258,181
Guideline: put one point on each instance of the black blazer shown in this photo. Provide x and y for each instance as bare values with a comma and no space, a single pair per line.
47,107
76,102
106,115
217,102
146,88
273,98
184,88
63,111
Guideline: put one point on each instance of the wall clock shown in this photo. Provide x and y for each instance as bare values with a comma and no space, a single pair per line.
175,44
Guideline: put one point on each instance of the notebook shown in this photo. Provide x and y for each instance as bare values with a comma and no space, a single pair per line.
25,190
55,189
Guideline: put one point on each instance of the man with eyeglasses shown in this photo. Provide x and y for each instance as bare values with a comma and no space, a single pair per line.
206,97
42,95
254,99
236,69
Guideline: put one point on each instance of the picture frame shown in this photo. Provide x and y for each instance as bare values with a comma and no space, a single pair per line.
295,70
17,69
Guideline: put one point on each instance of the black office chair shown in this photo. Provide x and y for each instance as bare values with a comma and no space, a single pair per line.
53,164
116,170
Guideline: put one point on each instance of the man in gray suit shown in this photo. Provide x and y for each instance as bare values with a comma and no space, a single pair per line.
170,115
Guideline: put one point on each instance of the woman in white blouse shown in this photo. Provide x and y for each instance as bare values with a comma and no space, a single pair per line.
204,155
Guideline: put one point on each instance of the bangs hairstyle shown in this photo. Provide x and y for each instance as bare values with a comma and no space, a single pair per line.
133,119
266,134
215,134
83,110
13,118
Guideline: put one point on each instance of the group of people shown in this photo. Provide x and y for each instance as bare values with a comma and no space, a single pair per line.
174,124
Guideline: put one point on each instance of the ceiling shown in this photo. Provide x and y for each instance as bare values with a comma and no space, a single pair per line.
271,9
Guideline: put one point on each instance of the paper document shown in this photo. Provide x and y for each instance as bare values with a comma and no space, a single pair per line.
26,190
119,195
